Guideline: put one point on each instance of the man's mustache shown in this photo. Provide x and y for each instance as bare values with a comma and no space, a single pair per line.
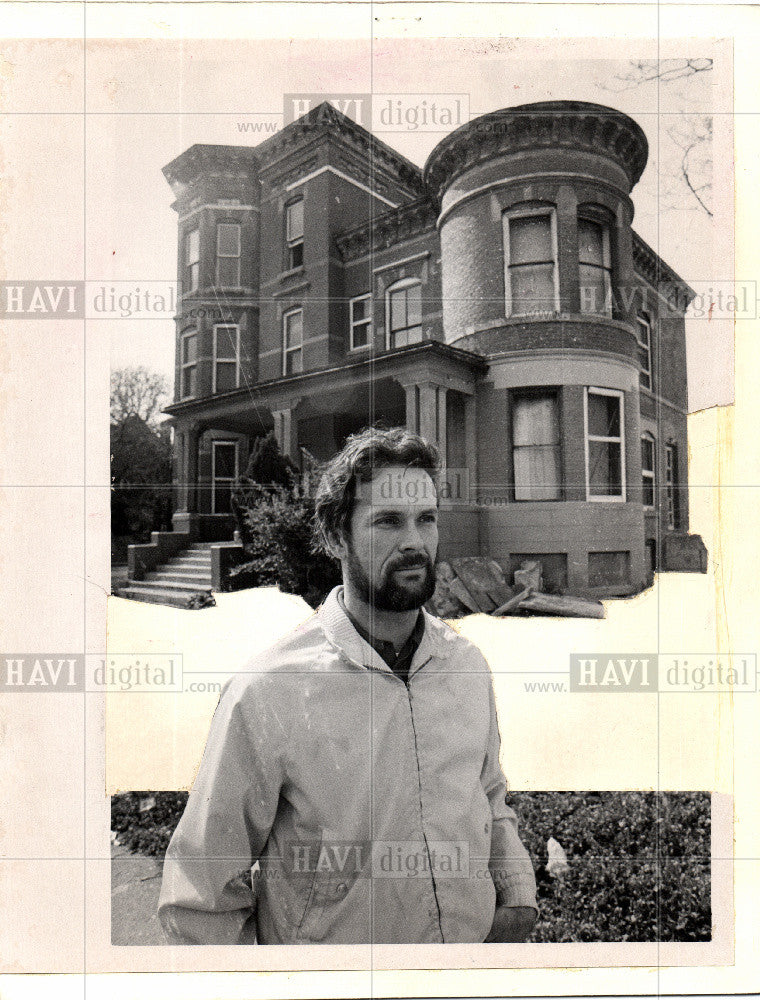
410,562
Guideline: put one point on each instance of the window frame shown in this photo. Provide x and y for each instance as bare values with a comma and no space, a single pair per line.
401,285
292,243
588,438
285,349
193,267
672,512
649,474
353,323
185,365
642,319
229,256
222,441
225,361
537,393
605,267
507,217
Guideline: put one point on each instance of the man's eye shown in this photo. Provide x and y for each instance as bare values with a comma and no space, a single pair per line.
429,518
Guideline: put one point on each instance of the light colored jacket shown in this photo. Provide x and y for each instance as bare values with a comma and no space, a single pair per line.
375,809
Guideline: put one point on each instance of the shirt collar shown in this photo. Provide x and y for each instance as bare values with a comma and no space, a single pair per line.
437,637
385,648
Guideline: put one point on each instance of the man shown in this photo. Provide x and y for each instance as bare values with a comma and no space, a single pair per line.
358,760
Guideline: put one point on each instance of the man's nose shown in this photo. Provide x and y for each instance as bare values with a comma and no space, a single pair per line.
411,538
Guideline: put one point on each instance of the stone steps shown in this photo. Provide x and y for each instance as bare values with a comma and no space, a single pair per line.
177,581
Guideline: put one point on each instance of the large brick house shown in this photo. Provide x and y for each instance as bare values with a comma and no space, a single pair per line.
497,301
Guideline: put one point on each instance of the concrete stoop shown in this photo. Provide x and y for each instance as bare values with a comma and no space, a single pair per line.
183,581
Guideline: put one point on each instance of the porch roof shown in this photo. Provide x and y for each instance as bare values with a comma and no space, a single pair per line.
430,360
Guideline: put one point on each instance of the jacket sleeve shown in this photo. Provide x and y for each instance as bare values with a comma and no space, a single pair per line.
206,895
510,864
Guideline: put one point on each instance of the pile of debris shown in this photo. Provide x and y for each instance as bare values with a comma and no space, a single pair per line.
476,585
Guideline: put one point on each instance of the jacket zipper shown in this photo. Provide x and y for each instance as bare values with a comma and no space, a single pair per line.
419,792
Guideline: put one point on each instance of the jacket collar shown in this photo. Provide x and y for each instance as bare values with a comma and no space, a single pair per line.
437,639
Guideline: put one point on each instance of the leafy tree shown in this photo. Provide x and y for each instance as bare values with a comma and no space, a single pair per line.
141,466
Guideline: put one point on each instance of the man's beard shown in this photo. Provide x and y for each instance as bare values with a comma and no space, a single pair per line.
392,594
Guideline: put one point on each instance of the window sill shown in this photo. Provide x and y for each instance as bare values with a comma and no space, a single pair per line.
293,272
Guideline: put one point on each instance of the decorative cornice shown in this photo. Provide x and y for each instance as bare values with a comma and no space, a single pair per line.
389,229
203,158
325,120
659,274
574,125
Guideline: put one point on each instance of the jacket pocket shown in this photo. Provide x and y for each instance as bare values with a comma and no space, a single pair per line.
331,884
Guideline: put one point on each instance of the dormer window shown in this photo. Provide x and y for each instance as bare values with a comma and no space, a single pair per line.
294,234
595,267
530,250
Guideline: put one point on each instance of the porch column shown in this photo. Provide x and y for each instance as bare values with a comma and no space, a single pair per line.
190,470
286,430
426,412
471,443
412,406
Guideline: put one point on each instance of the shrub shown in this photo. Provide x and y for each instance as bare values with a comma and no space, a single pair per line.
146,831
275,524
639,864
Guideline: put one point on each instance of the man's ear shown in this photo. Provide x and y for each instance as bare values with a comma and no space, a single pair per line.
337,545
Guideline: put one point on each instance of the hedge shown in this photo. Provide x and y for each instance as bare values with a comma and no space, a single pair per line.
638,862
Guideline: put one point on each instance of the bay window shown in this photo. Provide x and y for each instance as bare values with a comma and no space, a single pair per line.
605,444
595,268
530,249
536,446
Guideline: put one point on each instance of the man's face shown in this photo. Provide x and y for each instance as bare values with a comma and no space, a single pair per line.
389,558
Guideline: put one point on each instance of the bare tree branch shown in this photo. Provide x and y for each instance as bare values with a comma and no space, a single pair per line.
665,70
136,391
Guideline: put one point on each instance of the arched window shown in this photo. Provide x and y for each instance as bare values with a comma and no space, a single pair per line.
403,313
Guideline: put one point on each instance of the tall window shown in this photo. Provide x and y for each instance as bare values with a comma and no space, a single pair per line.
224,471
292,342
671,486
595,267
605,469
192,259
644,337
226,357
647,470
536,447
530,246
361,321
188,364
228,254
403,303
294,233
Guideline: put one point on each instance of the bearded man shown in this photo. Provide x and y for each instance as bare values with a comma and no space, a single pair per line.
354,767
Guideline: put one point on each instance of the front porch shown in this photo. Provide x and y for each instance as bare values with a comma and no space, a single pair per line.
429,388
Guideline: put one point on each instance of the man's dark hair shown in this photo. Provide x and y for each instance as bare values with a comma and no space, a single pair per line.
361,457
